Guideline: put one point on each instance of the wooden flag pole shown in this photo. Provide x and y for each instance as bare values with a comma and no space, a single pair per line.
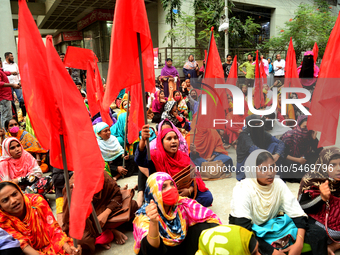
206,64
126,128
68,190
143,89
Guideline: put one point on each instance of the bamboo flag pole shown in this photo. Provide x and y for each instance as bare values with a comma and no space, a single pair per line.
143,89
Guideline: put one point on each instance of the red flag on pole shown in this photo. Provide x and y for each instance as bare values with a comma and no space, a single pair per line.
91,90
213,75
315,51
325,107
130,18
233,73
258,93
78,57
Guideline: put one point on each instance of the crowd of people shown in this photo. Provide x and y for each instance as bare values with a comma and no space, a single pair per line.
171,214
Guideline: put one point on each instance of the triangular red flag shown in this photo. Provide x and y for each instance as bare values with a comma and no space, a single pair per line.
76,57
258,93
130,18
91,90
315,51
325,107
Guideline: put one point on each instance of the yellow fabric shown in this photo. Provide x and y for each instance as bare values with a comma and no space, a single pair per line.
59,204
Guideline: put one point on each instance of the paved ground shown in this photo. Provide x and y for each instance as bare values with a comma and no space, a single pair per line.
221,190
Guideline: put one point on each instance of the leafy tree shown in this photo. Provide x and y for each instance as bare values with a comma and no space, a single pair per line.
242,35
312,23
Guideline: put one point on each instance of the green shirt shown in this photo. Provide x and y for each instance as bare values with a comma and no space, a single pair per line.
250,69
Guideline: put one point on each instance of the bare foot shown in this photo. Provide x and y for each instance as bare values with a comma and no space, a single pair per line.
140,199
125,186
106,246
332,248
120,238
330,252
117,177
226,146
235,146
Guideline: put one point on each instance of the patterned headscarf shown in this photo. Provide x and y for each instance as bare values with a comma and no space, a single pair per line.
167,112
320,175
173,226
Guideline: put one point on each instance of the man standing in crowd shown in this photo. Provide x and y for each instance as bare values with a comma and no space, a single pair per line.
9,66
279,69
227,66
6,95
250,71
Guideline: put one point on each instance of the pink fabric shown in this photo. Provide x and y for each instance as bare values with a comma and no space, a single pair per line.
11,168
316,70
105,237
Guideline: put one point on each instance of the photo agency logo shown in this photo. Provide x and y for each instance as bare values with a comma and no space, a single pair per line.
238,99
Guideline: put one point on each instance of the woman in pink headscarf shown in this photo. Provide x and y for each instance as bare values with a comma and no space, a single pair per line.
16,164
308,71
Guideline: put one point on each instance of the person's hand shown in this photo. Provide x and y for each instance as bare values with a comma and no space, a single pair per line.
152,212
2,133
121,170
276,157
102,218
145,133
239,131
184,192
193,148
189,75
72,250
14,73
245,73
127,157
16,86
314,134
278,252
325,191
302,160
294,249
279,67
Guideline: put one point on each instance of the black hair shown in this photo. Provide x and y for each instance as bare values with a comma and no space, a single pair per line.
262,157
62,54
7,123
83,94
166,122
175,91
7,54
334,157
229,55
251,55
6,183
190,55
168,59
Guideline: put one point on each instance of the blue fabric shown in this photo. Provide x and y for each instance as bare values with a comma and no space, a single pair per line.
121,93
227,161
20,97
276,229
270,68
204,198
7,241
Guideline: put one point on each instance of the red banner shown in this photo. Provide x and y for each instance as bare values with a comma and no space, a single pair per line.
99,14
72,36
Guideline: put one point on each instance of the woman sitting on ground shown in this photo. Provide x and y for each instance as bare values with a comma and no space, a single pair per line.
16,164
169,159
113,152
261,197
158,105
107,202
28,141
29,219
301,149
227,239
326,181
168,223
171,113
181,104
255,137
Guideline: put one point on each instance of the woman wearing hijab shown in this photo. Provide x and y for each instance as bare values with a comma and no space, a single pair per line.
168,223
171,113
28,141
193,103
258,199
158,105
168,75
190,68
29,219
16,164
254,137
326,182
270,75
301,149
169,159
308,71
181,104
113,152
183,146
106,202
123,105
227,239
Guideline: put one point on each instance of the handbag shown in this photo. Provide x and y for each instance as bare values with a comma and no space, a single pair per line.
279,232
183,180
213,170
123,215
330,210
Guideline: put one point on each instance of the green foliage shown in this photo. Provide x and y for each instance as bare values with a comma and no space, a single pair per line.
242,35
170,5
312,23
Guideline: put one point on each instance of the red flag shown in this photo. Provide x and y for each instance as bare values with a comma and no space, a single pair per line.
315,51
213,75
205,55
82,149
233,73
78,57
91,90
258,93
325,107
130,18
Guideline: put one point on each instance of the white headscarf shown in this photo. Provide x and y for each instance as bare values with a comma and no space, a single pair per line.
261,203
111,148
